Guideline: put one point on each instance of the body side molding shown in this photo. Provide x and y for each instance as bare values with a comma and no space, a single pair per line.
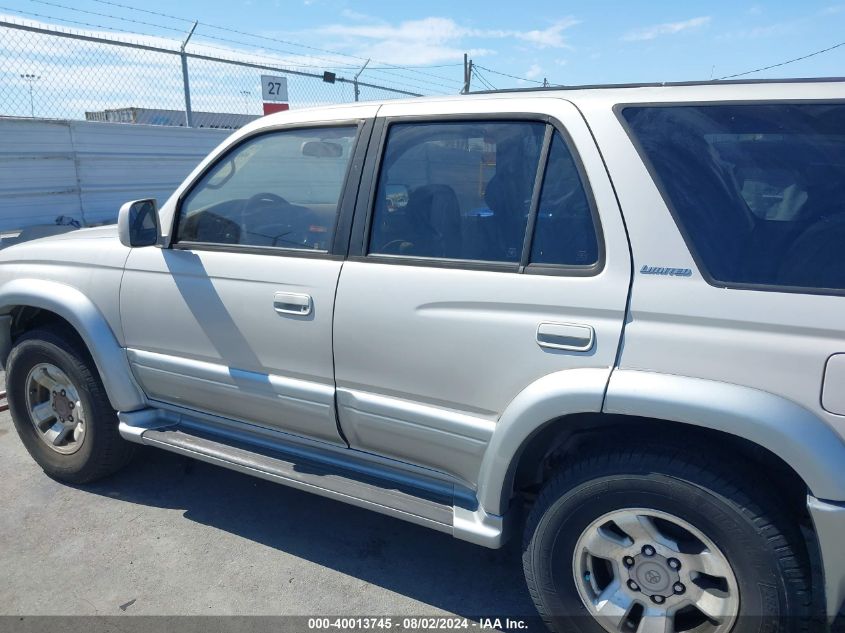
72,305
802,440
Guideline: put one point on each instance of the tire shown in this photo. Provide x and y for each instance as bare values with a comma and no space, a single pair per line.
94,449
700,503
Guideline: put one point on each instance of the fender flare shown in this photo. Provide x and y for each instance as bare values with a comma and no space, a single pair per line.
803,440
553,396
78,310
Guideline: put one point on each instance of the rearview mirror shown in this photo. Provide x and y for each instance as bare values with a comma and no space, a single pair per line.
322,149
137,223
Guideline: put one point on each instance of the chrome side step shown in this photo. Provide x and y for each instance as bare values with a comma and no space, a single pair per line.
341,474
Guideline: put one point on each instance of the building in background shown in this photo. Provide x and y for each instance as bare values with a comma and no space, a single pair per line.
151,116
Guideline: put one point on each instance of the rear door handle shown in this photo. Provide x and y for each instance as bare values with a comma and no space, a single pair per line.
292,303
573,337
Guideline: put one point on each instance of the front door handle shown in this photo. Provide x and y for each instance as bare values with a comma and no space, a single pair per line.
292,303
567,336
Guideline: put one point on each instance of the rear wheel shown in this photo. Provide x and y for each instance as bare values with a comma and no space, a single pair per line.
60,408
659,540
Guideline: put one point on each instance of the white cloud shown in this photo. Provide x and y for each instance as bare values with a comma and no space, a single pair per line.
534,72
433,39
771,30
349,14
667,28
551,37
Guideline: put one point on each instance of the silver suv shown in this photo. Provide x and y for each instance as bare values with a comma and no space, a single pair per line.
612,317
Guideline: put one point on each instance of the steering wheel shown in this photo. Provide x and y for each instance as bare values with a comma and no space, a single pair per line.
395,245
255,202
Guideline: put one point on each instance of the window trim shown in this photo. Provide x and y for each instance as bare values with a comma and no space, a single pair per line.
536,194
365,207
618,111
346,202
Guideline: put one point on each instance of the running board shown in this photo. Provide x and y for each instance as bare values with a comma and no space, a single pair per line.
342,474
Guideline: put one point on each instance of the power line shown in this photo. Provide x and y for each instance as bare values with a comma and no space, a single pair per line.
41,16
105,15
481,78
496,72
177,30
162,15
789,61
453,65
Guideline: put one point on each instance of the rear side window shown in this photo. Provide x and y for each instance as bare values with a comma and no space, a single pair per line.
757,190
464,191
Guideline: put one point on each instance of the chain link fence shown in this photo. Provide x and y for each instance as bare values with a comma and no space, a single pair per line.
47,73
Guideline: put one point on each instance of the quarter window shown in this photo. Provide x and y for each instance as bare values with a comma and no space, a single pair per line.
757,190
277,190
564,233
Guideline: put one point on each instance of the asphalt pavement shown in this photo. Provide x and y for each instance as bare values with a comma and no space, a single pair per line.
172,536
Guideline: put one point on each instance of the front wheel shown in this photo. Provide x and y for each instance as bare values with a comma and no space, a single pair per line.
60,408
659,541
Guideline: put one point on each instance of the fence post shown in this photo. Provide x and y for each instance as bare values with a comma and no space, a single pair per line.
189,117
355,80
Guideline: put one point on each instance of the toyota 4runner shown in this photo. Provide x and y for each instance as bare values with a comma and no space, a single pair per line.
611,317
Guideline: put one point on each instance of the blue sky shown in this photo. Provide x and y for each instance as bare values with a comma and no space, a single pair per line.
565,42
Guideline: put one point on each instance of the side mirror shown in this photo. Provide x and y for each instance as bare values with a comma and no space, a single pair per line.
397,196
137,223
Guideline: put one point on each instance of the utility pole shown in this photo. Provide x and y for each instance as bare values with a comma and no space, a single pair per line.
467,74
545,83
355,80
189,117
246,95
31,79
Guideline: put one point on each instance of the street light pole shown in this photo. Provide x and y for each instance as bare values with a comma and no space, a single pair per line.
31,79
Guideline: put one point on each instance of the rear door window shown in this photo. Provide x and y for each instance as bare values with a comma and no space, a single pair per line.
466,191
758,190
456,190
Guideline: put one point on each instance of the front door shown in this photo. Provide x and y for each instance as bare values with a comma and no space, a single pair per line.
235,318
494,255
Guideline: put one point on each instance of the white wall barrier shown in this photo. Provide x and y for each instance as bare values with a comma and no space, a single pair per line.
86,170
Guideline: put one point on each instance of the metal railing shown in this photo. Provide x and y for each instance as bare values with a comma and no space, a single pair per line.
52,73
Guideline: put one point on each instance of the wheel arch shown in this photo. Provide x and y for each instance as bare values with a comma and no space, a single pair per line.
803,441
74,308
567,403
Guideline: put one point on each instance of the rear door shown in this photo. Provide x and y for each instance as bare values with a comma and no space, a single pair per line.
490,252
